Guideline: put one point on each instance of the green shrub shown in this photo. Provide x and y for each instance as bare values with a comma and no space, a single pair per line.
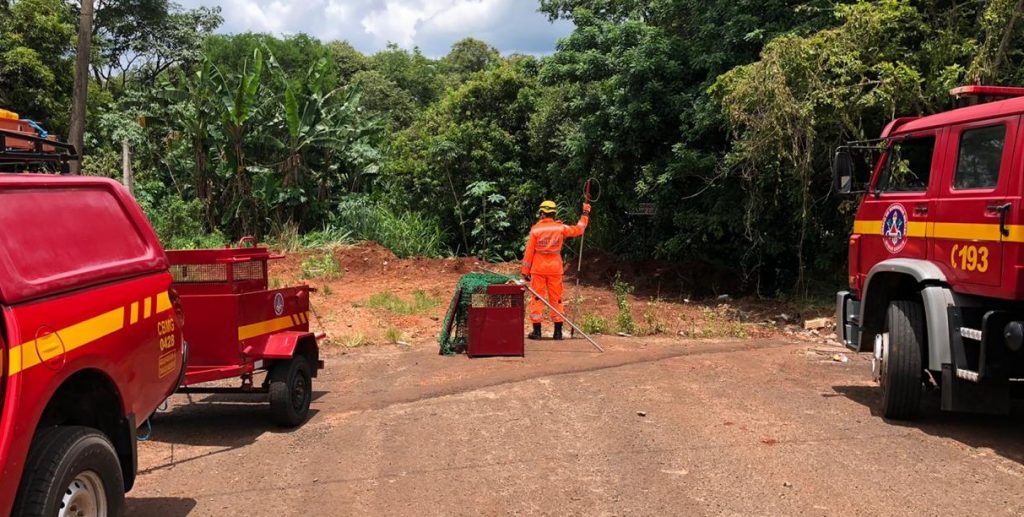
323,267
594,324
178,223
390,302
652,324
622,292
408,234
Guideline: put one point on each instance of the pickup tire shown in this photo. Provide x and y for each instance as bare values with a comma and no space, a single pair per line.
72,469
291,391
902,374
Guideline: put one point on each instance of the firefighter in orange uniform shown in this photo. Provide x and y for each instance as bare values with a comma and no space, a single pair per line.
542,263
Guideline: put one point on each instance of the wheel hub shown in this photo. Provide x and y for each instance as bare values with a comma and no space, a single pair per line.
881,352
84,497
299,392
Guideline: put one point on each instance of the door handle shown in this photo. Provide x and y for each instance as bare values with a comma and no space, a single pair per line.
921,210
1002,210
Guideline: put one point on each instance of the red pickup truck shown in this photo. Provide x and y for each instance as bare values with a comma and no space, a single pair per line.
90,338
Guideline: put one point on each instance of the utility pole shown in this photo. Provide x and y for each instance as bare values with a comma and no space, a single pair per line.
80,92
126,166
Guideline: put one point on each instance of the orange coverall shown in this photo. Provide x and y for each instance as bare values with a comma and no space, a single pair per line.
543,263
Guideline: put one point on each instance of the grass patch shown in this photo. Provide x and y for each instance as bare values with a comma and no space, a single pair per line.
714,322
285,237
594,324
421,302
355,341
393,335
323,267
406,233
328,237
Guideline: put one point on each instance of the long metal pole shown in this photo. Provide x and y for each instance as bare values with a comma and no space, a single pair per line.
576,290
554,310
579,265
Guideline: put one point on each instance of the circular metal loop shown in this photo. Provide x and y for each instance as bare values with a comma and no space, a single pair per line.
588,190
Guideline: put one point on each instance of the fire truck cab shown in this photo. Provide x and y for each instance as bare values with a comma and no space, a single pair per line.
936,255
90,338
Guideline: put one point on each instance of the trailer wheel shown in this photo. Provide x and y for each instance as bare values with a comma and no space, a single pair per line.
291,390
901,374
71,470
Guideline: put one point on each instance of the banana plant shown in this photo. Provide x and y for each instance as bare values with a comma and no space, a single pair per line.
238,106
320,128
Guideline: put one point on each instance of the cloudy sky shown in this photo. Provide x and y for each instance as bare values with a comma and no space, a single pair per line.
433,25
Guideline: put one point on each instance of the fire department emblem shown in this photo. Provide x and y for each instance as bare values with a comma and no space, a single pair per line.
278,304
894,228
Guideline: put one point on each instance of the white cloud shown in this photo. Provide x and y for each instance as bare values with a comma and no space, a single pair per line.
432,25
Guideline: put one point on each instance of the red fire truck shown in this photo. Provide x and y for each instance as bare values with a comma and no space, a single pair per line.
90,331
936,256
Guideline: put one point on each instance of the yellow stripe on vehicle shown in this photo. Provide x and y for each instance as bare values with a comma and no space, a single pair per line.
163,302
265,327
134,313
34,352
147,310
867,227
954,231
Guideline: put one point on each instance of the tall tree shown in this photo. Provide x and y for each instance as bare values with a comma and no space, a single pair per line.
80,91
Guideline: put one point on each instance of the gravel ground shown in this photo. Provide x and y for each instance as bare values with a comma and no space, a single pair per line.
653,426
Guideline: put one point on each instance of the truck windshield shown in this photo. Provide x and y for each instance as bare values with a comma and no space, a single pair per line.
909,165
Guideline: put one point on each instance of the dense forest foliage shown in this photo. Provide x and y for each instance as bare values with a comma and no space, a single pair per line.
721,115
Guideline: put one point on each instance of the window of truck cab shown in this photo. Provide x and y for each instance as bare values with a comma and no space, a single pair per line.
908,165
979,158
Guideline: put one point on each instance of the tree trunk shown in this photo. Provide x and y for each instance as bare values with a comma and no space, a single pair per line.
126,166
1007,36
80,93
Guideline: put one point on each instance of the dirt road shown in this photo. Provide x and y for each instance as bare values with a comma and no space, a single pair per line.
768,427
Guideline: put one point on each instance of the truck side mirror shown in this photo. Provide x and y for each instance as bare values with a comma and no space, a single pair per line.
843,173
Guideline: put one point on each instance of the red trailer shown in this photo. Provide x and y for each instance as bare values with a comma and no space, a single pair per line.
236,326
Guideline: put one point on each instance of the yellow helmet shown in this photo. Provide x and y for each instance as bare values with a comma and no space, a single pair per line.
548,207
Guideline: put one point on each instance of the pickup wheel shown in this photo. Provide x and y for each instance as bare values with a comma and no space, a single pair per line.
902,375
291,390
71,470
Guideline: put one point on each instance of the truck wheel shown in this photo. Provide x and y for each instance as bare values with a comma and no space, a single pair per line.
901,371
71,470
291,390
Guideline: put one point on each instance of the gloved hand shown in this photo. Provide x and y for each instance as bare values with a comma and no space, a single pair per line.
586,208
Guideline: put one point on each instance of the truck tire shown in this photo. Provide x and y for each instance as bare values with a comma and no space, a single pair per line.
291,390
71,470
902,375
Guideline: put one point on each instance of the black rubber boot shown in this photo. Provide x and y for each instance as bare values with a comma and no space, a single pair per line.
558,331
536,332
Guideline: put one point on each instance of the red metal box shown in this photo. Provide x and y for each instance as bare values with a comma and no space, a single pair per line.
496,322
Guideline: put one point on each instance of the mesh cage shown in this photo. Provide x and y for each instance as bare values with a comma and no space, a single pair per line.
200,273
248,271
470,292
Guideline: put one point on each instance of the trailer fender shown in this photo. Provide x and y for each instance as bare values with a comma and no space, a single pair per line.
285,345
